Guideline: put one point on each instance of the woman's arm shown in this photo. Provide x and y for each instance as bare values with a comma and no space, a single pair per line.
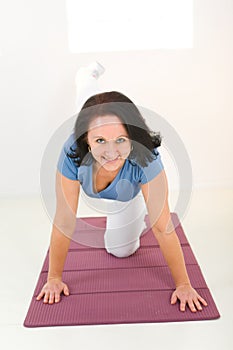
67,194
156,197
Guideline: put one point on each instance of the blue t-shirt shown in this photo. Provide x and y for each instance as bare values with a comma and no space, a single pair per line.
126,184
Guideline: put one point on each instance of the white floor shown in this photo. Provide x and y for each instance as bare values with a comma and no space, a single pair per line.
25,230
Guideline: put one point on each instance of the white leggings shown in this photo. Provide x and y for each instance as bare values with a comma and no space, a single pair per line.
125,220
125,224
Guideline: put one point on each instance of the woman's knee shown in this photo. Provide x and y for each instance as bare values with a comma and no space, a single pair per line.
124,251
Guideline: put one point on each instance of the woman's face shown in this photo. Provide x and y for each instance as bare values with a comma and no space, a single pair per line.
108,141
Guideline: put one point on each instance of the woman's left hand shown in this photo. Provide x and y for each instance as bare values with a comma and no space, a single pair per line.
186,294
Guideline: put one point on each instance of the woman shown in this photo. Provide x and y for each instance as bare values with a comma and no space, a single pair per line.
113,154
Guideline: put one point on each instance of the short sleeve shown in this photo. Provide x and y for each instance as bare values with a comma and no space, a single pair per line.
152,169
65,164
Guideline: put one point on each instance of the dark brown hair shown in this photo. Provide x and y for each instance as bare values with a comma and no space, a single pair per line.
144,140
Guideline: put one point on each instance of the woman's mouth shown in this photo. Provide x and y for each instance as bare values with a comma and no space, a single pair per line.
111,161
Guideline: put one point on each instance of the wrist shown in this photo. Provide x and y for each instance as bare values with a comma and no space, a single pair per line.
183,284
52,278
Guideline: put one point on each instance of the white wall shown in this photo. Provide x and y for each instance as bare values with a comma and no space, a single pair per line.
192,89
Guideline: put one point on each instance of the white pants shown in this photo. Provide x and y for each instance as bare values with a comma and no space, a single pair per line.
125,220
86,86
124,226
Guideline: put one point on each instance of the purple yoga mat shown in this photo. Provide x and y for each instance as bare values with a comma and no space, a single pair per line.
109,290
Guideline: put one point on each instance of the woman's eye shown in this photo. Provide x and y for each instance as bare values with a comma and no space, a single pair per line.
100,141
120,140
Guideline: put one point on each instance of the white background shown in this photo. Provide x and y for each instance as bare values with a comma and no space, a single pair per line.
128,25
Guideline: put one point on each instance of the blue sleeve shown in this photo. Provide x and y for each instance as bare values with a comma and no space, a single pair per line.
152,169
65,164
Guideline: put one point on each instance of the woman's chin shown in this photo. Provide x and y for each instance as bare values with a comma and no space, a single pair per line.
113,165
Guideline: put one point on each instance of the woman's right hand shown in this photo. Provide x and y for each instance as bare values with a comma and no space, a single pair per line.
52,290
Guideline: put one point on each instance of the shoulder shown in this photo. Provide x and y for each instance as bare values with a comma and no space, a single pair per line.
70,144
67,160
155,156
151,169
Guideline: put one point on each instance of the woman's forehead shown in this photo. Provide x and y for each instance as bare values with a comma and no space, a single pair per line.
106,124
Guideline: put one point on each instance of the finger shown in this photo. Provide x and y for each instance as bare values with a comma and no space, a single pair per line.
51,297
173,298
191,305
66,290
182,305
202,300
198,305
46,297
57,297
39,296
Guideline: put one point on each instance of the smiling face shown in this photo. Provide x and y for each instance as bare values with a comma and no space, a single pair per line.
109,142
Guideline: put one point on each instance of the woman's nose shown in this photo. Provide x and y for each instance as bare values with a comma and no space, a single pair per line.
111,150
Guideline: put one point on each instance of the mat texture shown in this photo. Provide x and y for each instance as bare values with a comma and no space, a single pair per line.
108,290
